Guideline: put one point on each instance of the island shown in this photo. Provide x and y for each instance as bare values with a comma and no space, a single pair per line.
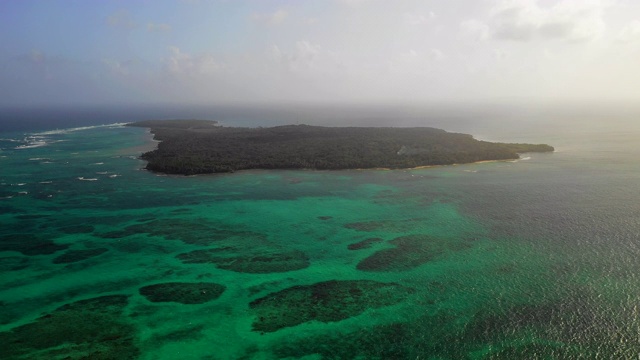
191,147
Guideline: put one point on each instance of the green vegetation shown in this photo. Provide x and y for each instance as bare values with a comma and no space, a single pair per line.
202,147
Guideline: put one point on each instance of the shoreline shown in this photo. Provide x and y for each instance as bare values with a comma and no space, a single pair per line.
434,166
327,170
149,144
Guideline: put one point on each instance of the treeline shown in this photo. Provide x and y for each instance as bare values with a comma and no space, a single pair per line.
184,124
205,149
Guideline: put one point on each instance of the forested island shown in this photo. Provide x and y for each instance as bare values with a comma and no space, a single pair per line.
192,147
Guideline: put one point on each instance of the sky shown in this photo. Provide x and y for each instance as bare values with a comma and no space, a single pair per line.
64,52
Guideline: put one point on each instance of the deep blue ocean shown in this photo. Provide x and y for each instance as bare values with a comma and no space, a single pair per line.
536,258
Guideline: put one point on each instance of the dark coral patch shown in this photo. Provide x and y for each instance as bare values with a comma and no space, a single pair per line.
326,302
366,225
381,342
77,229
385,225
29,245
180,211
7,209
182,292
31,216
364,244
72,256
87,329
424,337
180,335
251,261
194,232
325,218
409,252
13,263
118,234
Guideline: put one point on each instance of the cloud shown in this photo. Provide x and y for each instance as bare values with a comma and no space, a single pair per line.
630,33
567,20
311,21
353,3
415,63
121,19
302,58
500,54
436,55
414,19
158,27
514,31
475,30
183,64
39,64
36,57
274,18
119,68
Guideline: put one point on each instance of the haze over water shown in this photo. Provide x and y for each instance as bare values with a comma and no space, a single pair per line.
535,258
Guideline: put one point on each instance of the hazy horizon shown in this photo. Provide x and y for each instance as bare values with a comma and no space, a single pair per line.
190,52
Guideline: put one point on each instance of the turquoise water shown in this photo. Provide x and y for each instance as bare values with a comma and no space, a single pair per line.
532,259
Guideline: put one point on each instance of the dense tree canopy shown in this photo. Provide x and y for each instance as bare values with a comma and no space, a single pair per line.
201,147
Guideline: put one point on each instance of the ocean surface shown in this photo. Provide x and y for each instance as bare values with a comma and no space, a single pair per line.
537,258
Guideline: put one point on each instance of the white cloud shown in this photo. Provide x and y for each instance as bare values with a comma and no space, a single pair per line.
569,20
414,19
302,58
514,31
121,19
436,55
475,30
500,54
414,62
353,3
183,64
158,27
116,67
37,57
311,21
631,32
274,18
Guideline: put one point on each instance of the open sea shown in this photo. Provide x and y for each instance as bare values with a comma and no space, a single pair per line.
537,258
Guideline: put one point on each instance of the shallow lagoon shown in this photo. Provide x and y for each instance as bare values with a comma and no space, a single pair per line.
529,259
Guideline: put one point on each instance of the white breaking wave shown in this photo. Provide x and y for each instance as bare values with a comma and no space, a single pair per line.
87,179
32,144
81,128
40,139
114,175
